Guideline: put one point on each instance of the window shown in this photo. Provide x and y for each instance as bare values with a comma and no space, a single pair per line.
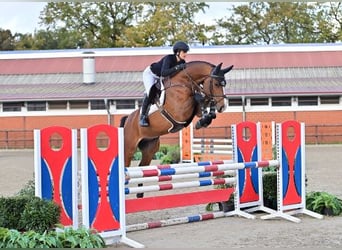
57,105
97,104
259,101
36,106
81,104
125,104
330,99
12,106
307,100
235,102
281,101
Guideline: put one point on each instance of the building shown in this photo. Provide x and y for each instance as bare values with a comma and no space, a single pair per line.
80,88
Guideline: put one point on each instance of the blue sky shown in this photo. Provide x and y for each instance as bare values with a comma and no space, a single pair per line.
23,17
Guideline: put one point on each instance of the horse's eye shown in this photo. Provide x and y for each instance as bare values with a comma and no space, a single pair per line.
223,83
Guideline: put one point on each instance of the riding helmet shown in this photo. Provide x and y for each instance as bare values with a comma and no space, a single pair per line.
180,46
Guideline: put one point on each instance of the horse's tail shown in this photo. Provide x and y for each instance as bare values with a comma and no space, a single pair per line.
123,120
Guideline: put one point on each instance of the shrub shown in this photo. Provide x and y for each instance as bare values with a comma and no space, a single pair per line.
28,213
270,189
137,156
323,203
80,238
164,149
66,238
39,215
166,154
11,209
172,155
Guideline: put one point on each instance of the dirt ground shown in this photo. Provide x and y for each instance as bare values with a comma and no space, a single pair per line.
323,170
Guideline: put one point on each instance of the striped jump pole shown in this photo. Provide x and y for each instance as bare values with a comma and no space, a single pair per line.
197,169
185,199
179,185
180,177
175,221
177,165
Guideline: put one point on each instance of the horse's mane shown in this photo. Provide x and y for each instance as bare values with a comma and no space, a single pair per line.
199,61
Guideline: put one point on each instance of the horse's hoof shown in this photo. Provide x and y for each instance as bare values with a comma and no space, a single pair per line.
198,124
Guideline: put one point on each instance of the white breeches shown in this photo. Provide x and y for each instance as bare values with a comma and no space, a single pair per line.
149,79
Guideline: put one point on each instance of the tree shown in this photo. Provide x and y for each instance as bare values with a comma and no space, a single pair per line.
245,25
294,22
329,21
24,41
122,24
141,24
6,40
99,24
278,22
165,23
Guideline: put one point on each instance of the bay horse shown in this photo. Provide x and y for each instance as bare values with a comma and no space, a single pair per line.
184,95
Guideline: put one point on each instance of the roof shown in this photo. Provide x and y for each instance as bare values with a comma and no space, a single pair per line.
258,70
126,85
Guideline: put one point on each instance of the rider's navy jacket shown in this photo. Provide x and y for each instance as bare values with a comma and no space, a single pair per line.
165,66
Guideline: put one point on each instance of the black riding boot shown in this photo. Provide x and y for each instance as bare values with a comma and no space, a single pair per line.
144,112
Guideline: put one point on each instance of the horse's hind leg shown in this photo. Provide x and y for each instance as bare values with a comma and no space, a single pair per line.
148,148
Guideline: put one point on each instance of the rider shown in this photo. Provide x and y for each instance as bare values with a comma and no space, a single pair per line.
167,66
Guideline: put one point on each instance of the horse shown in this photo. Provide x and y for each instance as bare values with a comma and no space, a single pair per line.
182,96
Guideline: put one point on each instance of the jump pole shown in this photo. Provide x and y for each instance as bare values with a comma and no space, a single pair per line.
184,199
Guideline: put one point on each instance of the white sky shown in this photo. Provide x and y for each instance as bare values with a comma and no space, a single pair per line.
23,17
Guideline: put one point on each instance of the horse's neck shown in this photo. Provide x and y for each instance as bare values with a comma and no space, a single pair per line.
179,94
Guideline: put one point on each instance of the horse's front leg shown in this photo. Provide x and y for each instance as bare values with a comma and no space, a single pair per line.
207,118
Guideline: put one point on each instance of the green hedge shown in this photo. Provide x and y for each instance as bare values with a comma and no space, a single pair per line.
269,182
25,213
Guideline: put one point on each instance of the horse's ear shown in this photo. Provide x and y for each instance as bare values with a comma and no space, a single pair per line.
226,70
217,69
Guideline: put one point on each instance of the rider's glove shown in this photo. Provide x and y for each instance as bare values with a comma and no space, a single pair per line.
180,66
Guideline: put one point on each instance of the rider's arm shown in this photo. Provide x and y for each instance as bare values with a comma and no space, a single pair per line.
170,66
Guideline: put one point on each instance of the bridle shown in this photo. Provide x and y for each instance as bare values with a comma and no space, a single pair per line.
198,87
